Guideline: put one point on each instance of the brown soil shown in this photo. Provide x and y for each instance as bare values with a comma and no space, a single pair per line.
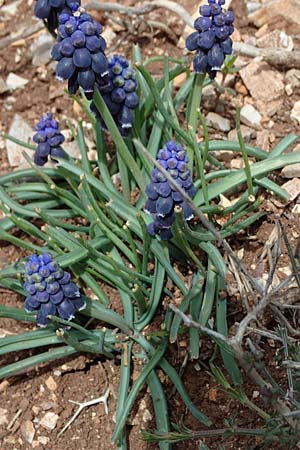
28,396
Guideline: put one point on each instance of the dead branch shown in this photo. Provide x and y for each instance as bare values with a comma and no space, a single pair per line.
22,34
145,8
283,59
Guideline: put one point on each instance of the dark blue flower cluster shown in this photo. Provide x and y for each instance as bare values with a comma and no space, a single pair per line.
49,10
48,139
80,52
211,40
119,94
162,198
50,291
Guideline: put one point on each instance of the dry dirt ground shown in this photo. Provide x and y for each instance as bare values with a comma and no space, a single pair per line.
27,398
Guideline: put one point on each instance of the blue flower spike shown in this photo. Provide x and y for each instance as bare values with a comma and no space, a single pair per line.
48,139
50,290
162,198
80,52
49,10
119,93
211,40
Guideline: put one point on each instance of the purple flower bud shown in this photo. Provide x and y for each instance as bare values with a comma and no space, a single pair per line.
200,62
132,100
206,39
229,17
118,95
202,23
78,39
86,80
65,68
205,10
42,296
99,63
93,43
82,58
216,57
192,41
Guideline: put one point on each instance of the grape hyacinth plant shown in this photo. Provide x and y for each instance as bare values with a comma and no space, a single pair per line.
50,290
162,198
119,94
48,139
49,10
148,281
80,52
211,40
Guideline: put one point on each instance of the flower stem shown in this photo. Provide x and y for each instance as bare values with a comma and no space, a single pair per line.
193,110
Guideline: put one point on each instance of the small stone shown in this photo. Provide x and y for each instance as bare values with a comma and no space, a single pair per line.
35,410
4,385
217,122
240,88
3,416
288,89
262,31
276,16
292,77
72,148
250,116
49,420
265,85
291,171
228,81
47,405
295,113
296,209
14,81
51,384
247,133
253,6
263,140
236,163
109,35
11,8
3,86
224,201
276,39
293,188
41,49
28,431
179,80
147,416
22,131
43,440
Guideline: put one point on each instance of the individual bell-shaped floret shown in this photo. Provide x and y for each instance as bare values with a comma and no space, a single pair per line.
211,40
119,91
50,290
48,139
80,52
162,197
